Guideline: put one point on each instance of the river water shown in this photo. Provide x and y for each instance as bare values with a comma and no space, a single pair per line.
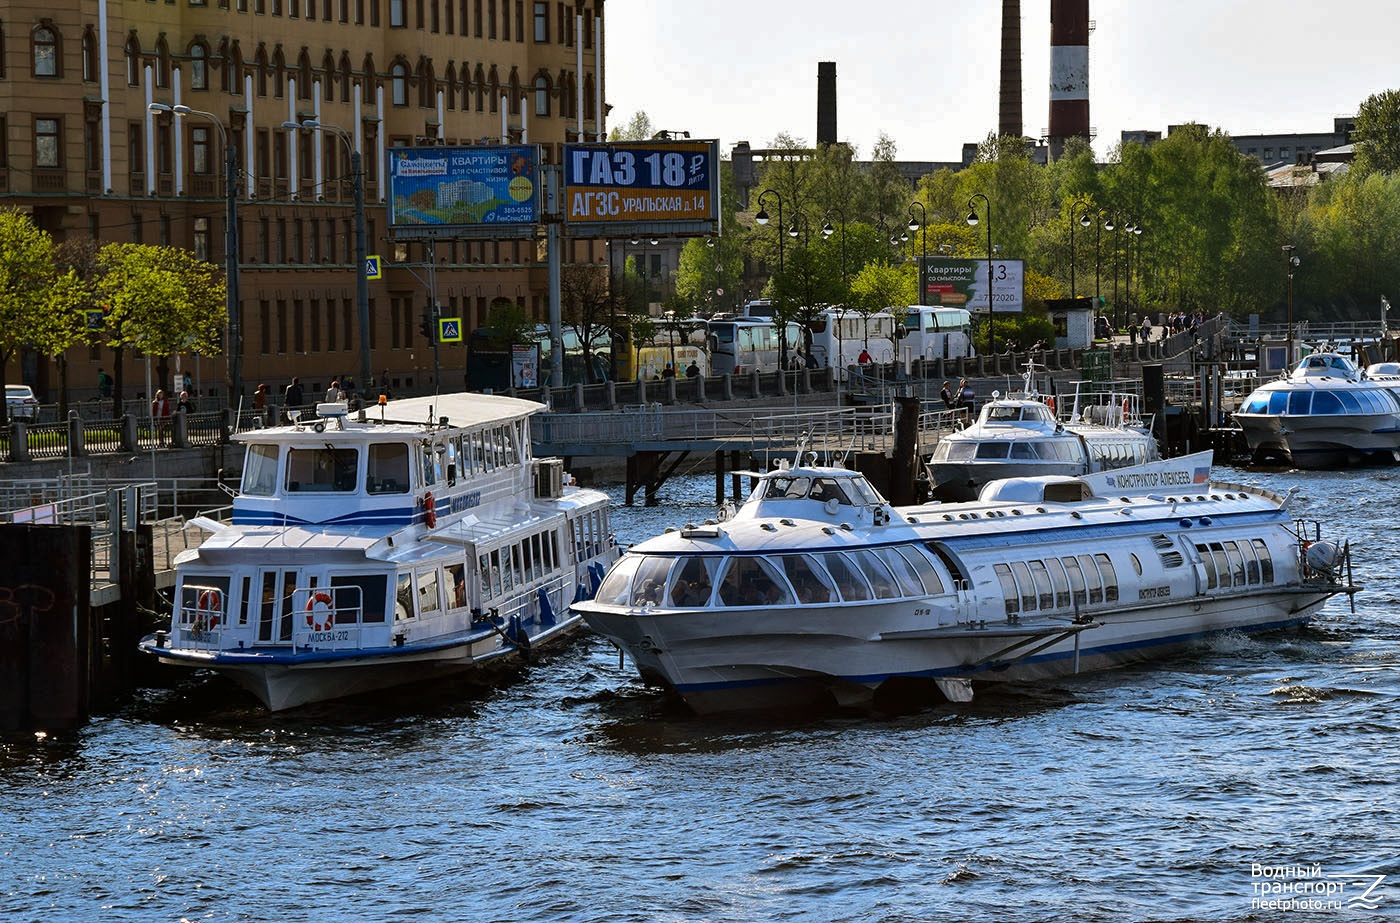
1178,791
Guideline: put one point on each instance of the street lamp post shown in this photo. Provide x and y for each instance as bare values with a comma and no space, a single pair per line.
1385,328
361,279
972,220
916,225
232,306
1290,264
762,218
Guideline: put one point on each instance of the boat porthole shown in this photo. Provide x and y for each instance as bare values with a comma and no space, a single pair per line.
1186,523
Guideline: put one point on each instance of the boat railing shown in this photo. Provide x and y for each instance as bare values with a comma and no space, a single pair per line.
328,617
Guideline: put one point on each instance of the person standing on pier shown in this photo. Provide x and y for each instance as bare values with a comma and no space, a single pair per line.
293,397
160,415
947,395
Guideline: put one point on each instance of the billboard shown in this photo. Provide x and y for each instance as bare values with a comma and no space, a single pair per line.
436,190
641,187
957,283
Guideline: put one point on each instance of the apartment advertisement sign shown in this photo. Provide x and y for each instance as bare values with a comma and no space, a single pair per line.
457,187
962,283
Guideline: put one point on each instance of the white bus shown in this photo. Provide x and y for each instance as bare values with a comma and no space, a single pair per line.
840,336
936,333
739,345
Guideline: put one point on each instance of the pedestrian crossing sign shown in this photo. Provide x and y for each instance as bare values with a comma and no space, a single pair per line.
373,268
449,330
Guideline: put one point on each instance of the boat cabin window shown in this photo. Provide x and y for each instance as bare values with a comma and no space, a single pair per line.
428,600
403,598
429,461
993,449
849,582
923,567
322,469
809,579
387,472
694,582
1299,402
824,489
999,413
650,581
1326,402
787,488
753,582
260,470
904,574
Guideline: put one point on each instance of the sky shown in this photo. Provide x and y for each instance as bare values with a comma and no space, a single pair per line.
927,74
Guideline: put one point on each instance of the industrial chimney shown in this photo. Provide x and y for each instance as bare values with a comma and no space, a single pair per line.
1069,72
826,102
1009,121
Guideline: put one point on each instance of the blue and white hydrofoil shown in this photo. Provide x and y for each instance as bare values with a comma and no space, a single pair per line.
817,591
410,543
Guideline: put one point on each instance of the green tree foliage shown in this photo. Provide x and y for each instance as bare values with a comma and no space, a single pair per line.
587,307
1377,134
637,128
27,287
879,286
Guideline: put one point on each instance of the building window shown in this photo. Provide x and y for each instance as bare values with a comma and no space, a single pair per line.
89,56
164,230
47,143
165,150
201,239
520,20
45,52
399,84
396,14
541,95
199,149
199,68
92,145
135,148
541,22
138,234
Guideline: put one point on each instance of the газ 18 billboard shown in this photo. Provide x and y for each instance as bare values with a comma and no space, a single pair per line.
963,284
432,189
655,187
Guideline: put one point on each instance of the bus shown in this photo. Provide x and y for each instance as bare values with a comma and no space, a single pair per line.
739,345
839,336
936,333
676,342
489,360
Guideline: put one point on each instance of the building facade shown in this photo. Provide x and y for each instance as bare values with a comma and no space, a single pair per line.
85,152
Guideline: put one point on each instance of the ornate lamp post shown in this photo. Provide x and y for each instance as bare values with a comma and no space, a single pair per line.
762,218
972,220
232,305
361,280
1290,263
916,225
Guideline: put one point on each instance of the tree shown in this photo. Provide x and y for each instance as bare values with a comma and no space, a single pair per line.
27,280
76,257
160,300
880,285
638,128
1377,134
587,305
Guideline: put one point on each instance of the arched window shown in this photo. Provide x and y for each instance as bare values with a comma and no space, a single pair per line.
328,77
493,89
346,78
233,69
370,79
590,111
304,75
450,83
541,95
279,72
515,95
260,65
199,67
427,84
45,42
90,63
398,75
133,61
479,82
162,63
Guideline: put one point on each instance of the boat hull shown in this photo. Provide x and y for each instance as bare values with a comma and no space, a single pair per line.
1323,441
281,679
811,657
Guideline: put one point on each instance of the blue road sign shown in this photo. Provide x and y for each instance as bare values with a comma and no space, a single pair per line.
449,330
373,268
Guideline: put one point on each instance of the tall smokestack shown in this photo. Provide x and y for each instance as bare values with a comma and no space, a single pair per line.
826,102
1009,121
1069,72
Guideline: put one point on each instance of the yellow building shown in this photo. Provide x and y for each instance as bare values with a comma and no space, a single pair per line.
82,148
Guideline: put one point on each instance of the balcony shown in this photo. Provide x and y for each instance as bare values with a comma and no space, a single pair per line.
50,181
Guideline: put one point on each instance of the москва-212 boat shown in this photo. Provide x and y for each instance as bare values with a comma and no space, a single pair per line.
366,553
818,591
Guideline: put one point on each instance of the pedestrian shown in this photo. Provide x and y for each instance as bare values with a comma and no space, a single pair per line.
186,384
293,396
260,398
1146,329
104,383
333,393
692,370
160,415
864,357
966,397
184,404
669,371
947,394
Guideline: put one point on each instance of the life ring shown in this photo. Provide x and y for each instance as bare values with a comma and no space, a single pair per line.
314,623
1050,402
206,609
1125,407
429,510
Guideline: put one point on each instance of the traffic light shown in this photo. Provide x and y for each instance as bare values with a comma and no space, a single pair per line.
425,327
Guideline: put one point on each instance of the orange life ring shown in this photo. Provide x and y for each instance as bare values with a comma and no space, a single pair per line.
1050,402
312,621
1125,406
206,611
429,510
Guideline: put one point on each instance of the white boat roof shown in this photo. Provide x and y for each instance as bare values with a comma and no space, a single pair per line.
461,409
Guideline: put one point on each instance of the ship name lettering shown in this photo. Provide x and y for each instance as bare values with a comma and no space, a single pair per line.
1154,592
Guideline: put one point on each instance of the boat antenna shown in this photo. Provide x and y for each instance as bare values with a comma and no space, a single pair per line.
804,441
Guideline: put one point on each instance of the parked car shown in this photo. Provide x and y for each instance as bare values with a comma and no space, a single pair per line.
21,404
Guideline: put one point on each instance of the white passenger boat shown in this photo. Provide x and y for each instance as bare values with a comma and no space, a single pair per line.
1021,435
410,543
817,591
1327,413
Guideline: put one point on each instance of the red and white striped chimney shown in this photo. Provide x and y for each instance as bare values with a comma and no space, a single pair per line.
1069,72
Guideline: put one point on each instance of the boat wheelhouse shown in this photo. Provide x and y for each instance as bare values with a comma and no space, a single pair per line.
1326,413
818,592
365,553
